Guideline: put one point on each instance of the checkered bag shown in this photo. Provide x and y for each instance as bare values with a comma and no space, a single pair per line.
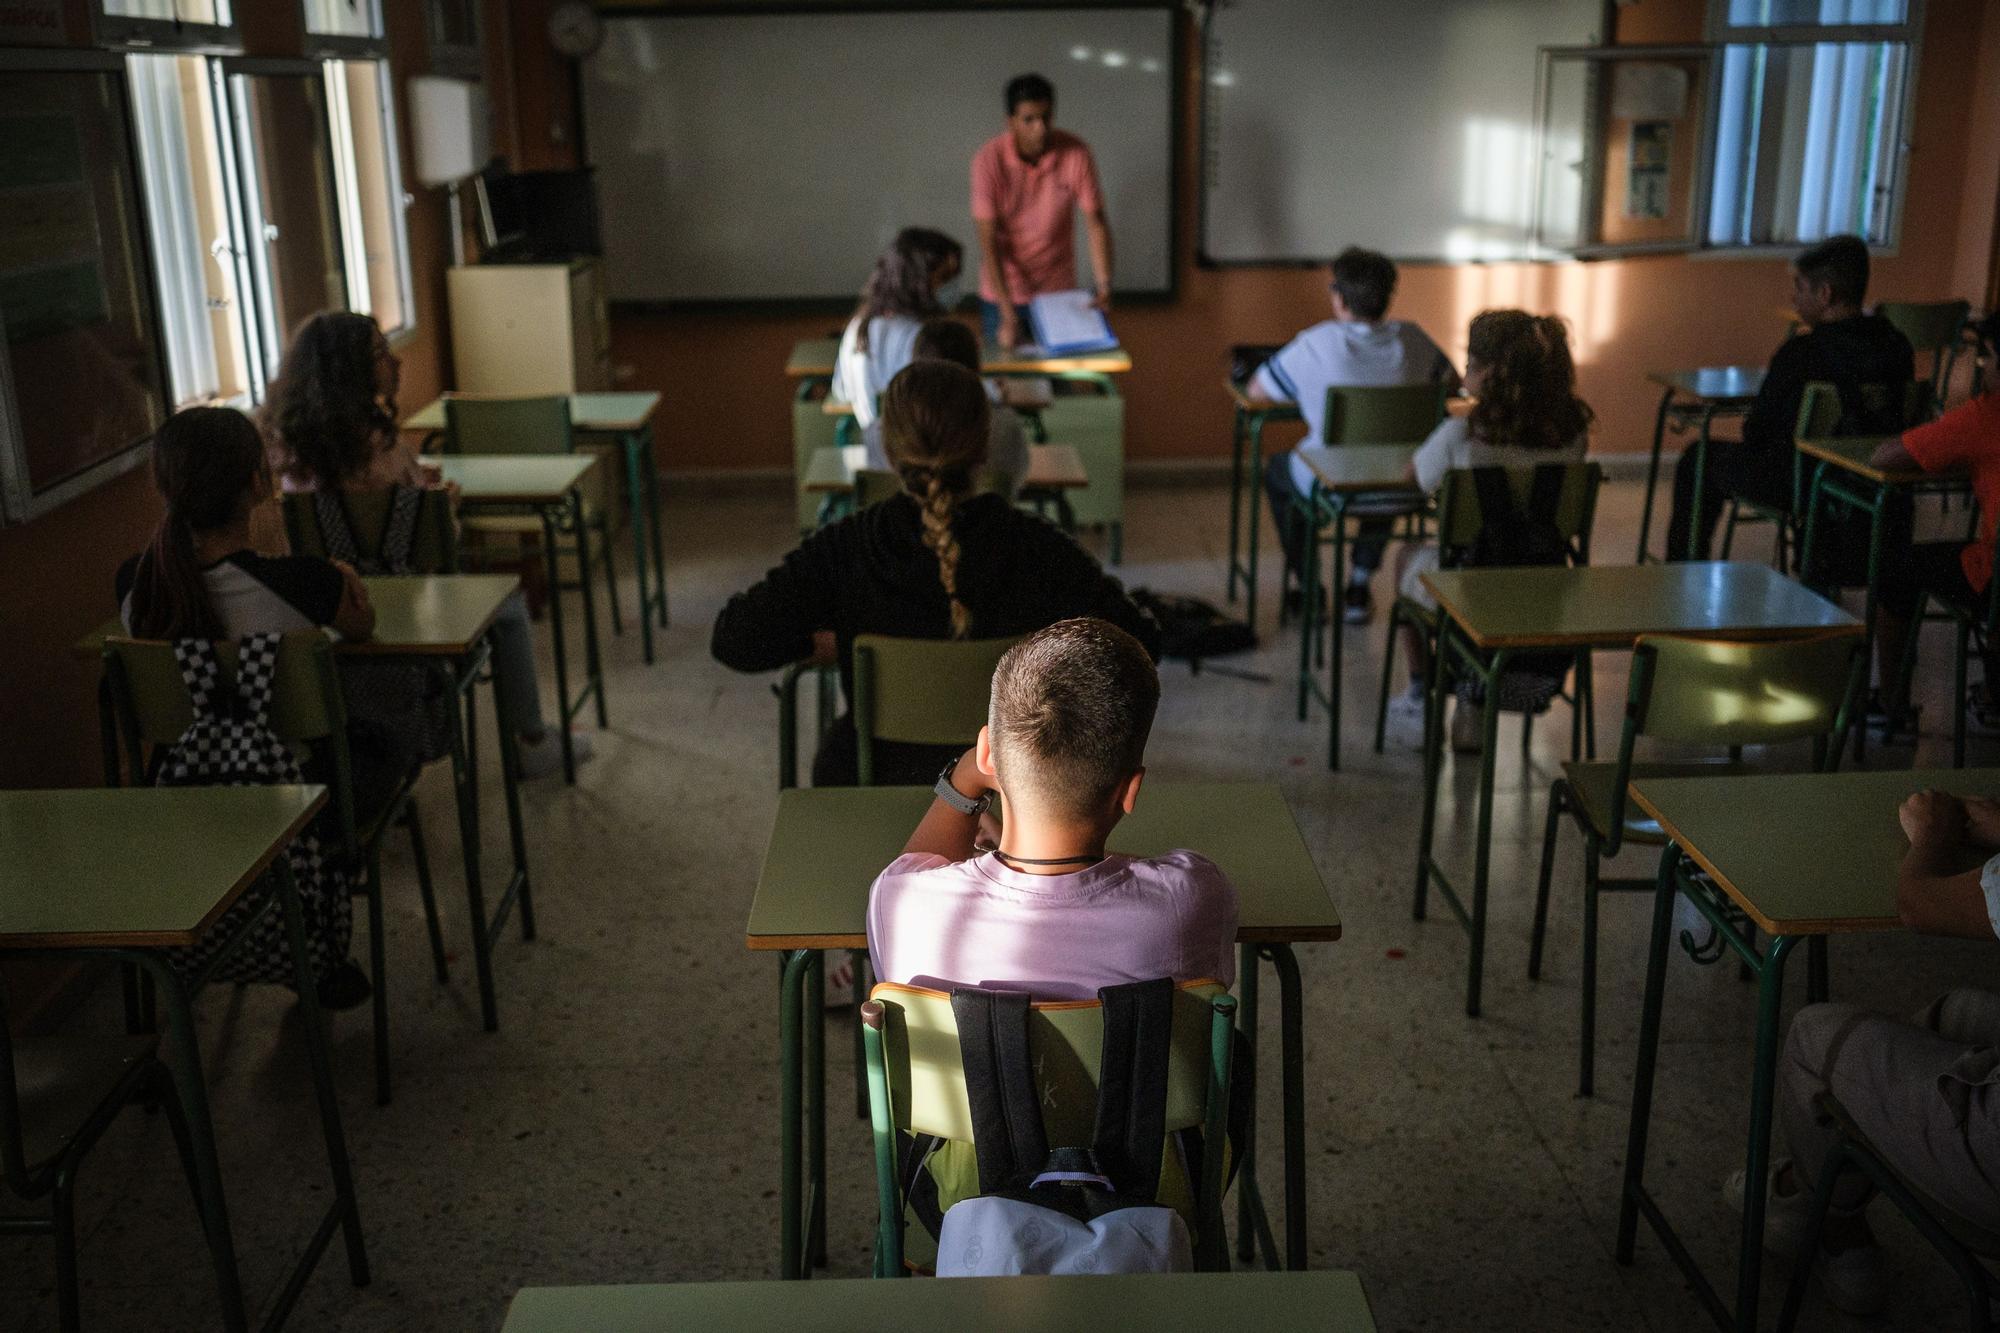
401,708
230,744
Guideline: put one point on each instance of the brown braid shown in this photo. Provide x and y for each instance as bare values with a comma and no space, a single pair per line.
935,419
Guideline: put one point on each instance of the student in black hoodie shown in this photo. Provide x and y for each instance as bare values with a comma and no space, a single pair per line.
938,561
1841,346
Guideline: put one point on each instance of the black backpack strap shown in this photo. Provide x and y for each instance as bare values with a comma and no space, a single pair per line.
256,673
1496,498
202,673
1545,496
1007,1133
399,532
335,532
1130,1133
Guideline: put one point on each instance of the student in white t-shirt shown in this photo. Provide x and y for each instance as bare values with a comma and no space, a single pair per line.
1518,367
1357,348
912,281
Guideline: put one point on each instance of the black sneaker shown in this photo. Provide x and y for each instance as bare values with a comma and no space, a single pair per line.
346,987
1357,604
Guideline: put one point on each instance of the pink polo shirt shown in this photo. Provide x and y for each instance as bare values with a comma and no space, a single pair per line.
939,923
1035,205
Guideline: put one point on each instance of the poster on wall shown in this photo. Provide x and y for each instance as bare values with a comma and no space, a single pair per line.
1646,169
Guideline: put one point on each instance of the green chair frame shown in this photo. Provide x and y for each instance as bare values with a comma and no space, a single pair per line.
1981,619
916,1085
1958,1242
74,1091
532,425
1377,414
1459,520
1936,327
435,550
307,707
1717,693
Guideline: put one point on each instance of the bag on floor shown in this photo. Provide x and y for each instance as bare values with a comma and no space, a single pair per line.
1070,1210
230,744
1191,629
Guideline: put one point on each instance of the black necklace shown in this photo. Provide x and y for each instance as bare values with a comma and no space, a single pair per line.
1048,861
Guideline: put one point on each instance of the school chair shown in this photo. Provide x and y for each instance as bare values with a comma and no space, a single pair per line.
1934,327
1967,1248
1388,414
307,707
1715,693
920,691
1979,618
57,1098
1459,522
434,550
916,1085
528,426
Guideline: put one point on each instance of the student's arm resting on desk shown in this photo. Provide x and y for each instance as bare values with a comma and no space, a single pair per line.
1775,412
773,624
948,832
1891,456
354,620
1936,892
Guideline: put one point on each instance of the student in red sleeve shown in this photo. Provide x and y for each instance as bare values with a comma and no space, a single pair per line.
1028,181
1956,573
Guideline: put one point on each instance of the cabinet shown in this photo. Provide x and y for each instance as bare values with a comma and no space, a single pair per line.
530,328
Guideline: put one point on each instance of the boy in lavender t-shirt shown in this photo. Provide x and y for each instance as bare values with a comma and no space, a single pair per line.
1049,910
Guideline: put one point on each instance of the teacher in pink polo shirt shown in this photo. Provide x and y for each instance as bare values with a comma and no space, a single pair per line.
1027,183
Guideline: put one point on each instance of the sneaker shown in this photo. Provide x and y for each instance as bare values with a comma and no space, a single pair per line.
543,757
346,987
1879,717
1406,718
1467,728
1357,604
1786,1216
1856,1280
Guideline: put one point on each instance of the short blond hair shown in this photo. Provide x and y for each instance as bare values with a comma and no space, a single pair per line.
1072,707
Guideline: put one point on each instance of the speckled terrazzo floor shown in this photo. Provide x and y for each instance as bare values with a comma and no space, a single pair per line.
620,1127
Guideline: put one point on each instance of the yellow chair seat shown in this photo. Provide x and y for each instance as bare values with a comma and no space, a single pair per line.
1591,786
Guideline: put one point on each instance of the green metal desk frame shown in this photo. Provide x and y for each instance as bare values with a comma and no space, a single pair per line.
342,1212
1844,482
552,514
1730,394
1737,933
1247,436
802,1111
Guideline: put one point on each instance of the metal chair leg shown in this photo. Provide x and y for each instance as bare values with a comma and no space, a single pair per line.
1388,673
1558,802
610,574
378,966
63,1219
1587,1052
420,854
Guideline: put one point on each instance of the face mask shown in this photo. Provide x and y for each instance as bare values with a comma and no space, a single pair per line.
950,294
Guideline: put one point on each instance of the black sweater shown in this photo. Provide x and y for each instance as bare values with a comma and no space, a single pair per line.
1847,353
872,574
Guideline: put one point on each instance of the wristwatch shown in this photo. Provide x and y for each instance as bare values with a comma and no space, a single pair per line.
957,800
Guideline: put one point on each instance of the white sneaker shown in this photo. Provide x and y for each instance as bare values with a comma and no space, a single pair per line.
1406,719
543,757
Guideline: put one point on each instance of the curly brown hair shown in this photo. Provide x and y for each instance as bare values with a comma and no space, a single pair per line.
1529,395
935,420
323,419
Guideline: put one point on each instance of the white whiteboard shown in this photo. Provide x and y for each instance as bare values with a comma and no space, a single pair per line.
1408,129
754,157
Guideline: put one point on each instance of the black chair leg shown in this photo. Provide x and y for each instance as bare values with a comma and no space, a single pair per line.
378,967
1587,1053
1788,1317
1558,793
604,545
421,855
63,1214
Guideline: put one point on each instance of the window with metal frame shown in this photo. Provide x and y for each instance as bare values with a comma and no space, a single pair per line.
82,385
175,24
369,186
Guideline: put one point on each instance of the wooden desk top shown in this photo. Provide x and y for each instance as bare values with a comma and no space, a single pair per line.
1802,853
606,412
1328,1301
136,867
530,479
812,358
1852,453
1050,467
417,615
1610,606
1348,469
1023,395
1718,386
829,843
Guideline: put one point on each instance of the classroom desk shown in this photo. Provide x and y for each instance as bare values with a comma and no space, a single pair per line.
1250,417
1687,397
1346,478
1328,1302
1050,467
550,485
1494,615
829,843
628,419
1843,475
812,360
1028,398
1799,856
443,620
126,874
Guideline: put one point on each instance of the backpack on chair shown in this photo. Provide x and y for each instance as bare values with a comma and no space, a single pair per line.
1514,535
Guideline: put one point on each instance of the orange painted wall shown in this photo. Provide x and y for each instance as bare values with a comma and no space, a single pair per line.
726,404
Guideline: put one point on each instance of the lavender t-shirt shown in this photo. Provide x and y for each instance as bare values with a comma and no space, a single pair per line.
939,923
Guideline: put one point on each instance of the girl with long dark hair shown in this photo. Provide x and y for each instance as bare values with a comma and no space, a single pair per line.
910,283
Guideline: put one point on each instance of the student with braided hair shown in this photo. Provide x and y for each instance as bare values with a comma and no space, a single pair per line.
939,561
